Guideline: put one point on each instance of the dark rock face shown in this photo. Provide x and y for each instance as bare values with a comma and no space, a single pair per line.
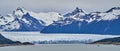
7,42
115,41
27,43
4,40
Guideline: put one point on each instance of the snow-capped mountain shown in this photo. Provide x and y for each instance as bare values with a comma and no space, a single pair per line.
23,20
78,21
81,15
76,12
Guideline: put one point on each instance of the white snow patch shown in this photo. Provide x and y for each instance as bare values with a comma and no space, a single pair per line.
20,13
6,19
109,16
26,21
11,26
116,12
48,18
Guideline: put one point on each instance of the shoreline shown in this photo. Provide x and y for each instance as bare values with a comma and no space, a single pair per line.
13,45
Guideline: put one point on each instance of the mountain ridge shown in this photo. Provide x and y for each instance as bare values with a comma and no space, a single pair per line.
21,19
91,23
78,21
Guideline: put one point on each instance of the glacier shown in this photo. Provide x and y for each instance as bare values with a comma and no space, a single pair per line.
39,37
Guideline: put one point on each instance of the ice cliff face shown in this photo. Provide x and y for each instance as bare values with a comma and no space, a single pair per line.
36,37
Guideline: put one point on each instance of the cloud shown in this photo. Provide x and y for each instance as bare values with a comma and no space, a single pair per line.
61,6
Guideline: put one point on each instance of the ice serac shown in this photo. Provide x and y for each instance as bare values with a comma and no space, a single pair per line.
24,20
91,23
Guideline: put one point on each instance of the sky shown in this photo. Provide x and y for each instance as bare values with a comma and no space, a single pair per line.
60,6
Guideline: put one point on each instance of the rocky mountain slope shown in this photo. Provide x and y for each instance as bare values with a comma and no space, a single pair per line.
78,21
24,20
115,41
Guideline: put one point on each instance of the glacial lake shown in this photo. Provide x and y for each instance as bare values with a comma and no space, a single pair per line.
62,47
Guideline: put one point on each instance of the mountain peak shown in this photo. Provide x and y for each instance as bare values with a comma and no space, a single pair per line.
19,12
20,9
78,10
114,8
74,12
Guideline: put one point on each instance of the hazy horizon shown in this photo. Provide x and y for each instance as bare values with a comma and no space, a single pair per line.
60,6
